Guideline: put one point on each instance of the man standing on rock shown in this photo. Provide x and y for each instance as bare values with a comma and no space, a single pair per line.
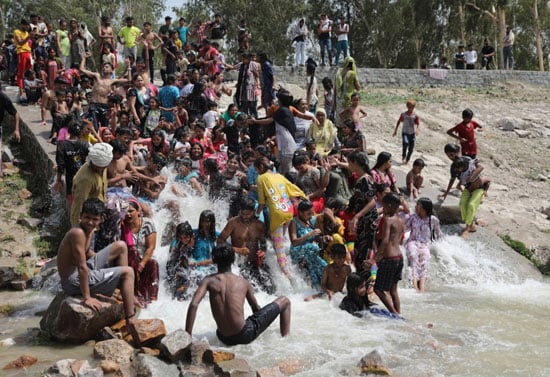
86,272
227,294
91,179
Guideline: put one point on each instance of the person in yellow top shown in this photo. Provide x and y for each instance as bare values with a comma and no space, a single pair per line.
91,179
128,36
324,133
23,38
275,191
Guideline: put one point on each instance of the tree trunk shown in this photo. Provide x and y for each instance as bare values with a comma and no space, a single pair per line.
462,22
501,25
538,39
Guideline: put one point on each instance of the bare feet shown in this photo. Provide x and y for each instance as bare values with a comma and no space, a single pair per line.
466,233
473,228
481,223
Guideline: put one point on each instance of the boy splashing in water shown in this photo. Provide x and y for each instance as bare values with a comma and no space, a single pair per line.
388,257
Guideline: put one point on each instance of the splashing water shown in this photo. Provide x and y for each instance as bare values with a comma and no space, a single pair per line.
482,316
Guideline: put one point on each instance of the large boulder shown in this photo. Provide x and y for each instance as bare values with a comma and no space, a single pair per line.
147,332
67,319
175,346
371,363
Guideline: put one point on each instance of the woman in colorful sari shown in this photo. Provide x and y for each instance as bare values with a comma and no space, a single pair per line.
140,235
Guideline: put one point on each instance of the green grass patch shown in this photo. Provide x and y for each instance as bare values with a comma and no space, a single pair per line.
43,247
6,309
520,248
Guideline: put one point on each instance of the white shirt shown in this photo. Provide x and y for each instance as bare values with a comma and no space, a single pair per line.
471,56
342,28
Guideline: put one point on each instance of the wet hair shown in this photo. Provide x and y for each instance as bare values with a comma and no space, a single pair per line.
334,203
379,188
361,159
285,97
467,114
327,83
223,256
181,132
158,133
428,206
262,163
392,199
184,229
310,142
382,158
460,162
353,282
186,161
248,154
208,215
118,146
122,131
210,166
248,204
159,159
348,123
75,128
419,162
93,206
355,95
338,250
452,148
299,159
305,205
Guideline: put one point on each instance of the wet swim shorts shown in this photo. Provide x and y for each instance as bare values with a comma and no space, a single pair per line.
254,326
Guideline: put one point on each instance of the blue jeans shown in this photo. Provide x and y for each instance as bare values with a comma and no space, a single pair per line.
341,46
408,146
326,43
508,57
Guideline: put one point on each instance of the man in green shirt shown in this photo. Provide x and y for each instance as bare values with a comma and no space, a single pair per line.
128,36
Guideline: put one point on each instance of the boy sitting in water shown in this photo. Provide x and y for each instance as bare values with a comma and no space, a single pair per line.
334,274
227,293
388,257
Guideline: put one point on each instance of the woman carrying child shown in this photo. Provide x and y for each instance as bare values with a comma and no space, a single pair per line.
424,228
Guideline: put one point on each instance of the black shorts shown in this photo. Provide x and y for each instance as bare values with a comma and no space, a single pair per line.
254,326
389,273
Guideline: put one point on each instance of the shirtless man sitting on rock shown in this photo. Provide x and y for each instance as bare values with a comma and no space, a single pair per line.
227,293
85,272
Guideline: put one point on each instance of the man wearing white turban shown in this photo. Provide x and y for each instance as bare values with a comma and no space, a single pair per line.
91,179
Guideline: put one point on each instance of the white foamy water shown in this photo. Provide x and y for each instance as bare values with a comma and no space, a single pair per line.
486,313
489,318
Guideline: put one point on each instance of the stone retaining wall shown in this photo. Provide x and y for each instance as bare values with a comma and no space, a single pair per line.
422,77
30,150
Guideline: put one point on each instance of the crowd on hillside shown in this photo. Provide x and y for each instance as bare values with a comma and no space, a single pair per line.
301,172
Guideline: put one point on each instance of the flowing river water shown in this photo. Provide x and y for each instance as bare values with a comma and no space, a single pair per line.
486,313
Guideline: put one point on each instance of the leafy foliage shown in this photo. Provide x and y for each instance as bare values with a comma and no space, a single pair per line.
396,33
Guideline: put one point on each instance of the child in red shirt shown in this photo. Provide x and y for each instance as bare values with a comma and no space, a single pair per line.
465,133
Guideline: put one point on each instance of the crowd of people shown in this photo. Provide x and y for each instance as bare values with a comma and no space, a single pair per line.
299,174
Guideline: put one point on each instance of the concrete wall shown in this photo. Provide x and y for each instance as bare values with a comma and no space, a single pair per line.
421,78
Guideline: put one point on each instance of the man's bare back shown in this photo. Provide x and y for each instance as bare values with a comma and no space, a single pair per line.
227,294
69,251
